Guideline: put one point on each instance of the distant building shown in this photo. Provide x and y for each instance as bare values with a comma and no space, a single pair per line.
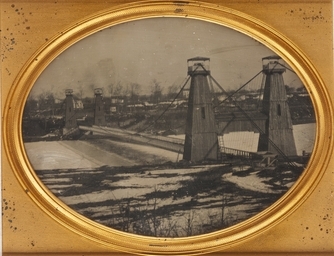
78,104
117,104
185,93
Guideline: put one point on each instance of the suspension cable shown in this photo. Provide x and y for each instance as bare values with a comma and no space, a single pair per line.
261,88
167,107
231,95
287,67
253,123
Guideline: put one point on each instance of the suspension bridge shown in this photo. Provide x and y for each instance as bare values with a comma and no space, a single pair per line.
212,114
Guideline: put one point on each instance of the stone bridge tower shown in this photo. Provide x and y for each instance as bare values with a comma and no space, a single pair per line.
99,115
278,128
70,114
201,141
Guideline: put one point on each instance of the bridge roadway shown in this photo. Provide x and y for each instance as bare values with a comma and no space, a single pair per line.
172,144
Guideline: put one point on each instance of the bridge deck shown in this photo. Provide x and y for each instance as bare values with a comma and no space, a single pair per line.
172,144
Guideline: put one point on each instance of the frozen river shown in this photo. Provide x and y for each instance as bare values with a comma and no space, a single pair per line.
45,155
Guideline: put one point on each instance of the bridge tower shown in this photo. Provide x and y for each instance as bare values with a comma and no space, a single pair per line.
70,115
278,128
99,117
201,140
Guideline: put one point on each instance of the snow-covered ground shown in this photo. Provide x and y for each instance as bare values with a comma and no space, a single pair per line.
304,135
251,182
150,190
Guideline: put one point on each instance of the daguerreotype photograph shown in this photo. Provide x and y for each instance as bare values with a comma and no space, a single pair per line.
168,127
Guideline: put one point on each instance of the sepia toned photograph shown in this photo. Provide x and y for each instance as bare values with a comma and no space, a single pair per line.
168,127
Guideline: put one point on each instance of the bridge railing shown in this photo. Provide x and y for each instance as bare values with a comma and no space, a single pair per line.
237,152
163,138
70,132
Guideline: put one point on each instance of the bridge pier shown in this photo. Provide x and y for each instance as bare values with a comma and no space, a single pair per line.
201,140
70,114
99,116
278,136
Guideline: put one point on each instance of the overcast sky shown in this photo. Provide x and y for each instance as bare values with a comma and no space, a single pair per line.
156,48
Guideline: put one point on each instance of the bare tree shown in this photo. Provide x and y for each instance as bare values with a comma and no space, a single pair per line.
118,89
110,89
80,90
156,91
46,100
172,91
133,91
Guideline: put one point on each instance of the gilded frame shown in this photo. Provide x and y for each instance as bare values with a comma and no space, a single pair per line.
213,242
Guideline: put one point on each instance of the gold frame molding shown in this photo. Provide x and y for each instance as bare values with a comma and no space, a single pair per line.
115,240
